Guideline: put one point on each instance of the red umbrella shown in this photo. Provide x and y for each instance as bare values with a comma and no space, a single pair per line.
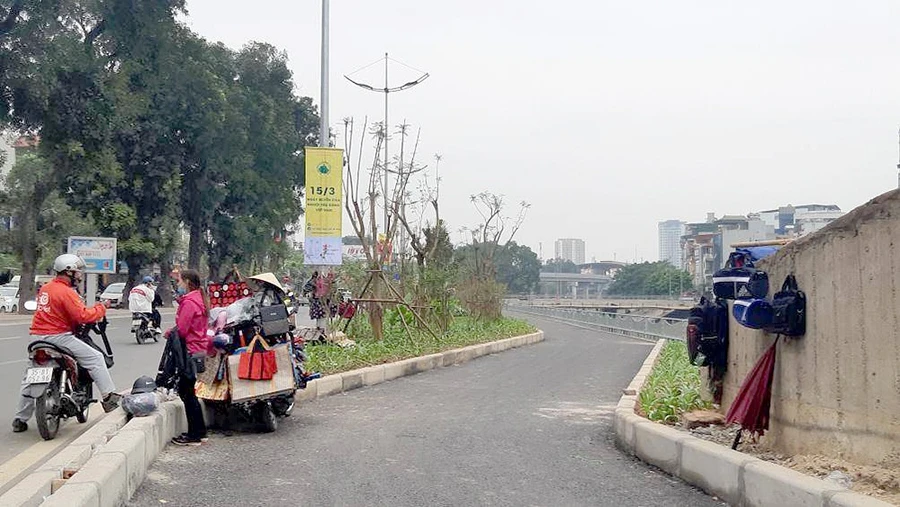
750,407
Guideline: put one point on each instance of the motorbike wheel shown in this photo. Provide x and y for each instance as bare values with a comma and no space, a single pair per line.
46,410
266,417
82,416
283,407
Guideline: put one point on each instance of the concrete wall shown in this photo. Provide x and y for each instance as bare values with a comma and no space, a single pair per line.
836,391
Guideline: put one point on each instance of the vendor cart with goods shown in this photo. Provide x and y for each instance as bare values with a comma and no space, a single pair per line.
257,366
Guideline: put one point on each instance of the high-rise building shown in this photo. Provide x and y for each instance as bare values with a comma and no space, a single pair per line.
670,233
570,249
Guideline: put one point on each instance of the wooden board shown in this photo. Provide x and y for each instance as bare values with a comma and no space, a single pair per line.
247,390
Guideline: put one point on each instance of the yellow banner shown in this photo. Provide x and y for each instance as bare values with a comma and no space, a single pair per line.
324,185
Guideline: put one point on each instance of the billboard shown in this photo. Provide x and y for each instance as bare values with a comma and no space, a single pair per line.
99,254
324,201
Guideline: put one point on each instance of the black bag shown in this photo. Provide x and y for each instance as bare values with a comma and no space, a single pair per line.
789,310
173,363
274,320
740,280
707,333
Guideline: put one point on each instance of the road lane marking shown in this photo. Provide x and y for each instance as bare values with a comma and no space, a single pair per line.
11,338
4,363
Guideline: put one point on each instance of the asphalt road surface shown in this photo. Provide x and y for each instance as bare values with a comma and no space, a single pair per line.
531,426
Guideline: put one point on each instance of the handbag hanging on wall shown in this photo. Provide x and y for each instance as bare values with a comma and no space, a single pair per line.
739,279
788,310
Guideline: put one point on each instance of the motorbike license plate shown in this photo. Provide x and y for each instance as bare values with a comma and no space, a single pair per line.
39,375
136,323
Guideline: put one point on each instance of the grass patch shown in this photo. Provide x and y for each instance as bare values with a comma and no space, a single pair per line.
673,387
397,344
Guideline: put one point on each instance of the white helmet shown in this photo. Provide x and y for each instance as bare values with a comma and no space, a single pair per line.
68,262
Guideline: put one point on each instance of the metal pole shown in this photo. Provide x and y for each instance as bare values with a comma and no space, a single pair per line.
323,114
386,158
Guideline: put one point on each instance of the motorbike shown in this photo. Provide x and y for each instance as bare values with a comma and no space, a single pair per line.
142,328
61,388
264,412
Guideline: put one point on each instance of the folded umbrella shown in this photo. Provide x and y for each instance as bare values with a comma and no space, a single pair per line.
750,407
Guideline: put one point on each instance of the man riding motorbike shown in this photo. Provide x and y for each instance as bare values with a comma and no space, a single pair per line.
144,299
59,313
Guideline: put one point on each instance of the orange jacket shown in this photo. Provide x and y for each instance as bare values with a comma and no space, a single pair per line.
60,309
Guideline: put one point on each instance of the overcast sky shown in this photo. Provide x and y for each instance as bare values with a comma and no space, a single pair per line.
609,116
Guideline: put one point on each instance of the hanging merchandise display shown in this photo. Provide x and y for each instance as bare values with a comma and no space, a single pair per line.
739,279
788,310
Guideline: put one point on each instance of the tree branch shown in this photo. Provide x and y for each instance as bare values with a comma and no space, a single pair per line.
94,33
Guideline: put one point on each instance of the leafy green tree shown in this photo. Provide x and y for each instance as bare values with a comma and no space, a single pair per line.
518,268
41,219
649,279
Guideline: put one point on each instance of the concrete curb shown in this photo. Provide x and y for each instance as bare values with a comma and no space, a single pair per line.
106,465
735,477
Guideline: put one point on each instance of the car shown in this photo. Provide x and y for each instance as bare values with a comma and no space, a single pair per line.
114,294
9,299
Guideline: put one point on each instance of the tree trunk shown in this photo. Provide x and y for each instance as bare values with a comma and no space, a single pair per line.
195,246
214,271
27,232
134,274
165,284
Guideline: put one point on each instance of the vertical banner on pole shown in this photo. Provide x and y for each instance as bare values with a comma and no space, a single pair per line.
324,200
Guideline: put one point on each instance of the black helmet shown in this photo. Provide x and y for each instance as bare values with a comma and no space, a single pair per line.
143,384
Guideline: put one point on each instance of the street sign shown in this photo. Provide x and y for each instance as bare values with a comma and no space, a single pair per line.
99,254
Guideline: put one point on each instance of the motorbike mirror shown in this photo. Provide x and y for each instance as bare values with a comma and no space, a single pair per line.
31,305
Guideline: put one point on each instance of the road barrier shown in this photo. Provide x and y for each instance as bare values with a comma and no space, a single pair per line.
636,326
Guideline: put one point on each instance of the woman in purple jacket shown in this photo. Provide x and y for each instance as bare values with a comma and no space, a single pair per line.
191,320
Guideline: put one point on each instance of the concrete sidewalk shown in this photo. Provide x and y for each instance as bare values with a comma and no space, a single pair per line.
531,426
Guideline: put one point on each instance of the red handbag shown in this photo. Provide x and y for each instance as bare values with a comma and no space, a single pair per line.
257,364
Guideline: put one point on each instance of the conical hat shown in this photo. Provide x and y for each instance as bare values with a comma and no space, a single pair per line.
270,279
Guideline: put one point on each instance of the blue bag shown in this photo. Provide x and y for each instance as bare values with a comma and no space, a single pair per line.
740,280
753,313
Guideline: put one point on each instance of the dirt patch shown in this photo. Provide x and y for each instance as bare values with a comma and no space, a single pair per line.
881,481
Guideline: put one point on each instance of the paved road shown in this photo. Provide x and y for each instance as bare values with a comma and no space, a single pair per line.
532,426
132,361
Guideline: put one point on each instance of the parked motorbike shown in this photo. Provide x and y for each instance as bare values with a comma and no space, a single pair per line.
142,328
60,387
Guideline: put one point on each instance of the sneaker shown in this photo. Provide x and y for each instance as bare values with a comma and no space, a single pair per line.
202,439
111,402
19,426
184,440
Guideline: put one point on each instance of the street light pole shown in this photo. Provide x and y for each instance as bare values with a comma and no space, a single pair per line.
386,90
324,138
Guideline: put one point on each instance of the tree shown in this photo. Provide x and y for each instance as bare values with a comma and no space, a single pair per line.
649,279
518,268
41,218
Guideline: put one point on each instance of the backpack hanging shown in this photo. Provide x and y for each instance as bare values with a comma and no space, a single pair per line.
707,333
739,279
788,310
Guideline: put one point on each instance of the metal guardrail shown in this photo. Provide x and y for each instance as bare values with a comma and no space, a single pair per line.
637,326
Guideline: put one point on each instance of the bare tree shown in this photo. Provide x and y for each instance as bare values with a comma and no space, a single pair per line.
482,294
361,196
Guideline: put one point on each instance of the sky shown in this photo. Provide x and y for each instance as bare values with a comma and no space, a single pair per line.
610,116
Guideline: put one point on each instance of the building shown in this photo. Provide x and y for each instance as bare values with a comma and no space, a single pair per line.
790,220
570,249
7,156
670,233
699,252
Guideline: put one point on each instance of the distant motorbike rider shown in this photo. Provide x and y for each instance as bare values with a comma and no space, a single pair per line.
143,298
59,313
